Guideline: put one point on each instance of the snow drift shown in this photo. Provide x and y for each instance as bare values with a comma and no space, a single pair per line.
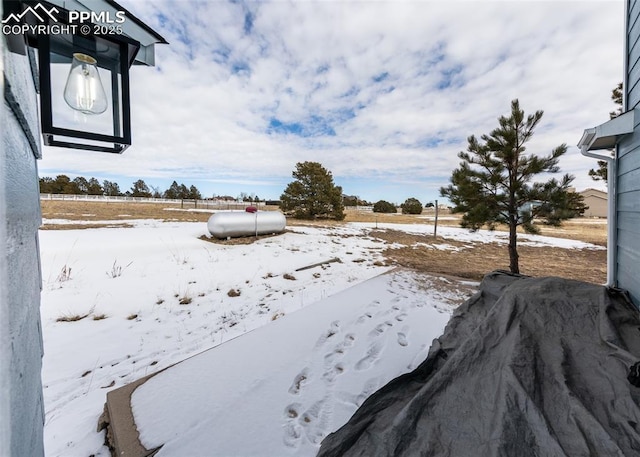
526,367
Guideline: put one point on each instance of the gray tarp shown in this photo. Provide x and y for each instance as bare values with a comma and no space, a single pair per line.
526,367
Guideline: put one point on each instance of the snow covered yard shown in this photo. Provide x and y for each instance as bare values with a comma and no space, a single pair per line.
121,303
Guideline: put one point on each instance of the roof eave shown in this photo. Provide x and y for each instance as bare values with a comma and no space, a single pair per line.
133,28
607,135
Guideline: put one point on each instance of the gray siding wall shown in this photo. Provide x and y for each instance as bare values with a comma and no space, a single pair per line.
628,170
21,341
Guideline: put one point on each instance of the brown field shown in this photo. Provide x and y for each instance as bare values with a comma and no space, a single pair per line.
587,265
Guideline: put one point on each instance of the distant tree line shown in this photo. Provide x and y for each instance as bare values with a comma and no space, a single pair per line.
62,184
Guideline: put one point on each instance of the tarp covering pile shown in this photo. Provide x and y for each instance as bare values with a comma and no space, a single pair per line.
526,367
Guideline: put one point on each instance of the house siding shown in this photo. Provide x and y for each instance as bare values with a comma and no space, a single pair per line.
627,273
21,350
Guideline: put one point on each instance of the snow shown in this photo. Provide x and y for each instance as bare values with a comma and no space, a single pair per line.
346,328
282,388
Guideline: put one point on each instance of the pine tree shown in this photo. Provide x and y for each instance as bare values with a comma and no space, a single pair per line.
494,182
81,185
46,185
140,189
313,194
173,192
194,193
111,189
94,187
183,192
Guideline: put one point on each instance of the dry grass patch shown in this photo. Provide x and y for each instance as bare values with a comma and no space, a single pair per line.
473,263
113,210
83,226
72,317
93,210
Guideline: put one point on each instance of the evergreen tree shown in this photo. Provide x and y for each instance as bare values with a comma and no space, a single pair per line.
183,192
46,185
94,187
64,185
383,206
494,182
313,193
600,173
81,185
194,193
411,206
111,189
173,192
140,189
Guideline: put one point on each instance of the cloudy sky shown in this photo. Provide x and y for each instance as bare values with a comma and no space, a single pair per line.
383,94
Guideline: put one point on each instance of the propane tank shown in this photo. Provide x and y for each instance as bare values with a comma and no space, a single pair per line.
232,224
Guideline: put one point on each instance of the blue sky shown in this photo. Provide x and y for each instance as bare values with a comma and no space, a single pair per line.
383,94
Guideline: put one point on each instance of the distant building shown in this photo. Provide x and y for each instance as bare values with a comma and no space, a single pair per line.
597,202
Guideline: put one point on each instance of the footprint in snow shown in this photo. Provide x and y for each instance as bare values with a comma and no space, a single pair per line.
299,381
402,339
292,411
374,304
380,329
334,328
349,340
335,371
332,356
371,357
419,358
315,421
292,434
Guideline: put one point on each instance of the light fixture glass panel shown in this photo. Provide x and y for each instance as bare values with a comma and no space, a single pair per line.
63,116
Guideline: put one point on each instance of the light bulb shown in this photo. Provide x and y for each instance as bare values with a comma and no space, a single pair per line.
83,91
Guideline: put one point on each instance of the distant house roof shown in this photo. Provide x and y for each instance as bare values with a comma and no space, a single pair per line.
594,193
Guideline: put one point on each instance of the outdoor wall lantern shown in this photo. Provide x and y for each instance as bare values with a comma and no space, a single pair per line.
83,64
84,90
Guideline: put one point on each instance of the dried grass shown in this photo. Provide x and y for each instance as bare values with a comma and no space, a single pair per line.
586,264
71,317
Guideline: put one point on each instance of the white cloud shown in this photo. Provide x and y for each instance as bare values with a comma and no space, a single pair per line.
380,90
